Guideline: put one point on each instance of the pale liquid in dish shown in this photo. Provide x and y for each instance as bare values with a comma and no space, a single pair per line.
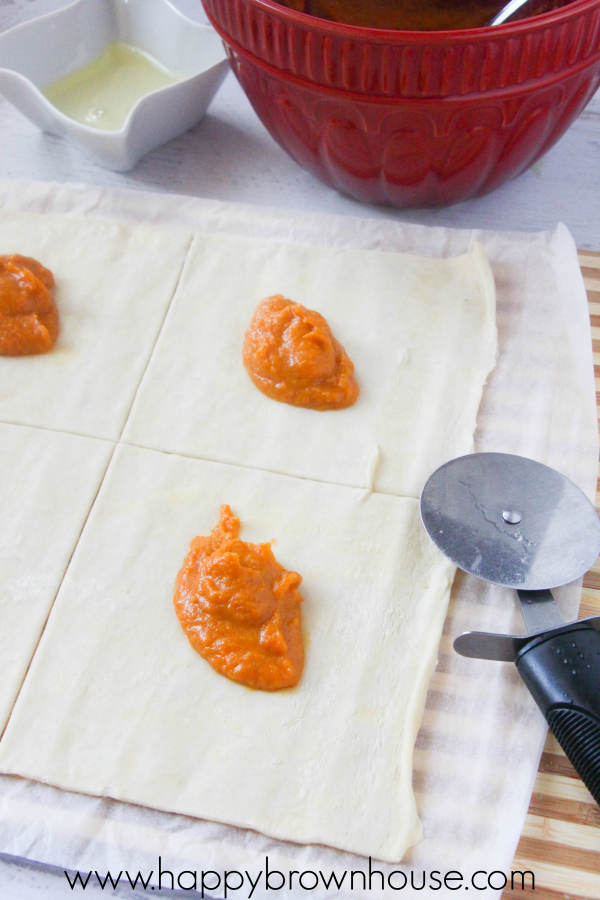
102,93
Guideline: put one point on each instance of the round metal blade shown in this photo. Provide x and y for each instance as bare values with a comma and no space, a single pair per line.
511,521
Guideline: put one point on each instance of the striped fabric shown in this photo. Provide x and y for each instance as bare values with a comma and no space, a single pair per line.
560,842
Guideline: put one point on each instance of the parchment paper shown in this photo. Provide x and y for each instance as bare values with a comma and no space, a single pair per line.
478,749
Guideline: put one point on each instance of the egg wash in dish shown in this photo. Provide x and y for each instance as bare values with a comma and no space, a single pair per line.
116,701
103,93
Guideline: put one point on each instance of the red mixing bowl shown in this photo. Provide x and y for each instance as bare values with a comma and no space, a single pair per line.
412,118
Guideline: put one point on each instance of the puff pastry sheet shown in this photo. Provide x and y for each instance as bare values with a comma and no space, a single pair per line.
421,333
48,482
113,288
117,703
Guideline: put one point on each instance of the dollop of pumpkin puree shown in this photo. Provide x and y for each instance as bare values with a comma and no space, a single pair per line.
240,609
28,313
291,356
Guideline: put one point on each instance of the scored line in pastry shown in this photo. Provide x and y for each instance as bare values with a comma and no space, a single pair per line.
420,332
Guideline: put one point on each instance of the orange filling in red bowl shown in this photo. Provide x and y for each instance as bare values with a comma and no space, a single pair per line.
412,15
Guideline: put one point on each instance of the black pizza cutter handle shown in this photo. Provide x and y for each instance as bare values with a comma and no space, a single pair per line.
562,671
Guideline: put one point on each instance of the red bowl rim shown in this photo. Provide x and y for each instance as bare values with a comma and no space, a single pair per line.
339,29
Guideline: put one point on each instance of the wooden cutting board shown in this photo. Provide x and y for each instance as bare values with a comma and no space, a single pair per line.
560,842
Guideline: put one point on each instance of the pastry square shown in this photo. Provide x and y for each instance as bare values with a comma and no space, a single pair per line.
420,332
113,288
48,482
117,702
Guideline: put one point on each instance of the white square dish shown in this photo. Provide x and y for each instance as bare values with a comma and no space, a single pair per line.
38,53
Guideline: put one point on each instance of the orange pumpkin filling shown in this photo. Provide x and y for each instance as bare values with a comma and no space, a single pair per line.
240,609
28,313
291,356
412,15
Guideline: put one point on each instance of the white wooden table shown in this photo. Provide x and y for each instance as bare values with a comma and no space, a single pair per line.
230,156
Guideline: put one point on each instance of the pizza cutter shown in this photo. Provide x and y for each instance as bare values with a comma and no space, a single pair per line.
515,522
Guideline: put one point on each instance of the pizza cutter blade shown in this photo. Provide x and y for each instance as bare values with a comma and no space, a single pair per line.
515,522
